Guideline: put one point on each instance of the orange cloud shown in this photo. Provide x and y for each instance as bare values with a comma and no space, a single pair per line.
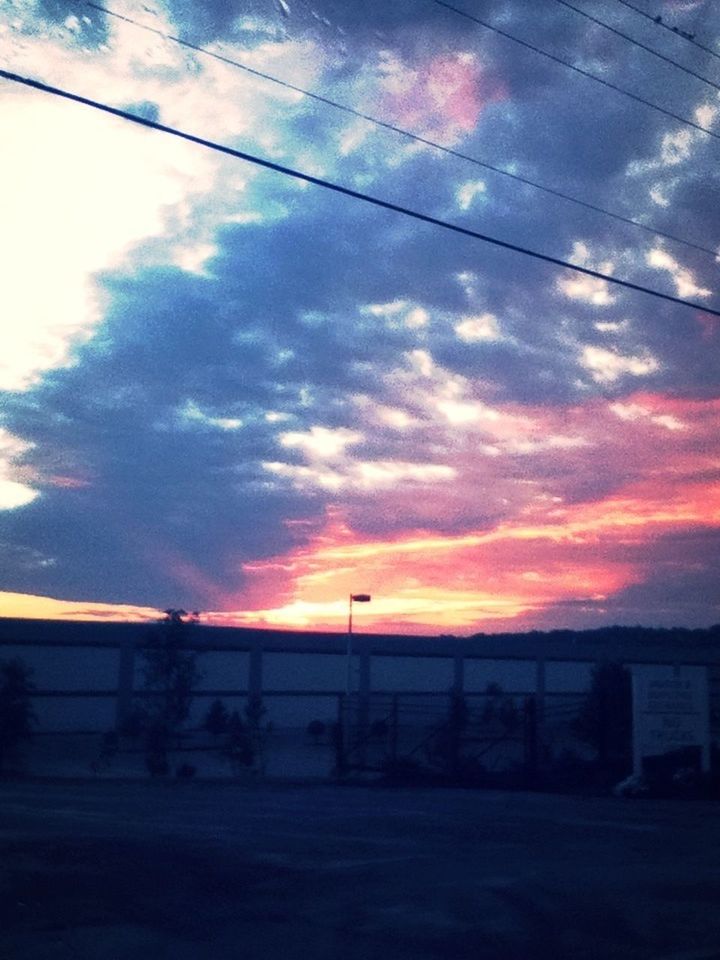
28,606
505,544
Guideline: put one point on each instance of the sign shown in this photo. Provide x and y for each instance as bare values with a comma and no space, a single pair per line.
670,711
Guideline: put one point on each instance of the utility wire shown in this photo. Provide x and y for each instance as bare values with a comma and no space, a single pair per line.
571,66
678,33
345,191
638,43
402,132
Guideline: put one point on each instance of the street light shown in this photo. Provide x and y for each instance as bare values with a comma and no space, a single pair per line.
357,598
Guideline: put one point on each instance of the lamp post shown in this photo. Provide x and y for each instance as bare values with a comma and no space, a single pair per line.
356,598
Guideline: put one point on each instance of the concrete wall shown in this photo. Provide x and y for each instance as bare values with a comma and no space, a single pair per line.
86,674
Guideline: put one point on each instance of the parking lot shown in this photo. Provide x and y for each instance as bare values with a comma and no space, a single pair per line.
221,870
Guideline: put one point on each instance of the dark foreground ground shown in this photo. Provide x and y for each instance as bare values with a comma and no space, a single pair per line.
188,871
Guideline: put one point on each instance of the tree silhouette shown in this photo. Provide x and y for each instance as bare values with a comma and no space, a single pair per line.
605,718
170,675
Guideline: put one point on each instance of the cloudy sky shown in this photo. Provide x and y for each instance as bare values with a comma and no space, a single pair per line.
233,391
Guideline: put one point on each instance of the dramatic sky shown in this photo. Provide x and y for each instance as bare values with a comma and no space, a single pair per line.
228,390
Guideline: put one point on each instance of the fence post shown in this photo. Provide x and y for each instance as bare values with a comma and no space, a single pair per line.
363,715
339,737
126,680
394,728
530,739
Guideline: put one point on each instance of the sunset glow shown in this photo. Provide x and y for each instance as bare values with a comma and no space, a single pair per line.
225,390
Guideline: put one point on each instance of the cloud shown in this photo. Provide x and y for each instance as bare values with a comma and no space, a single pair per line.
13,492
480,328
468,192
238,373
126,186
636,411
319,443
685,283
584,288
607,366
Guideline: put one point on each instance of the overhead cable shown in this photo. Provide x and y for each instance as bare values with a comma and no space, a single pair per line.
658,20
386,125
345,191
638,43
583,73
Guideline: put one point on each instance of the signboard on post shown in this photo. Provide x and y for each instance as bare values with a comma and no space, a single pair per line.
670,711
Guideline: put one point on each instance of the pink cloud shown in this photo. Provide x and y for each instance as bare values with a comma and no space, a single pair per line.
444,99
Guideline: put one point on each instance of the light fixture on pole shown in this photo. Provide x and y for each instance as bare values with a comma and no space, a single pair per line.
356,598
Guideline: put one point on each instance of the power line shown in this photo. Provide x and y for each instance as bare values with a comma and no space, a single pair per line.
584,73
658,20
345,191
327,101
638,43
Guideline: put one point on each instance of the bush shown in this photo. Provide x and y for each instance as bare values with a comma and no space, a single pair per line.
216,719
239,747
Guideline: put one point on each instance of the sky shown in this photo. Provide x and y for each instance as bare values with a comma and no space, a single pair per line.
228,390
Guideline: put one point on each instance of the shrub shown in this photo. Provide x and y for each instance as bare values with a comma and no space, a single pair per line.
239,745
216,719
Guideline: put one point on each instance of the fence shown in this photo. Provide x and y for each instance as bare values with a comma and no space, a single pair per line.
88,676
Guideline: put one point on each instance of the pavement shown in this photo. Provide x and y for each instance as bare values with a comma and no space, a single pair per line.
195,870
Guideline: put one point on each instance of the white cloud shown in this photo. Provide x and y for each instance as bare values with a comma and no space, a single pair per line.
658,197
590,290
482,327
80,191
706,115
552,442
13,493
610,326
676,147
416,318
683,278
606,366
587,289
322,443
399,312
191,413
194,257
363,476
85,217
422,362
466,194
354,136
635,412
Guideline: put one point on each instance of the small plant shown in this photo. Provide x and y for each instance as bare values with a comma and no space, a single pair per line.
239,746
216,719
16,713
